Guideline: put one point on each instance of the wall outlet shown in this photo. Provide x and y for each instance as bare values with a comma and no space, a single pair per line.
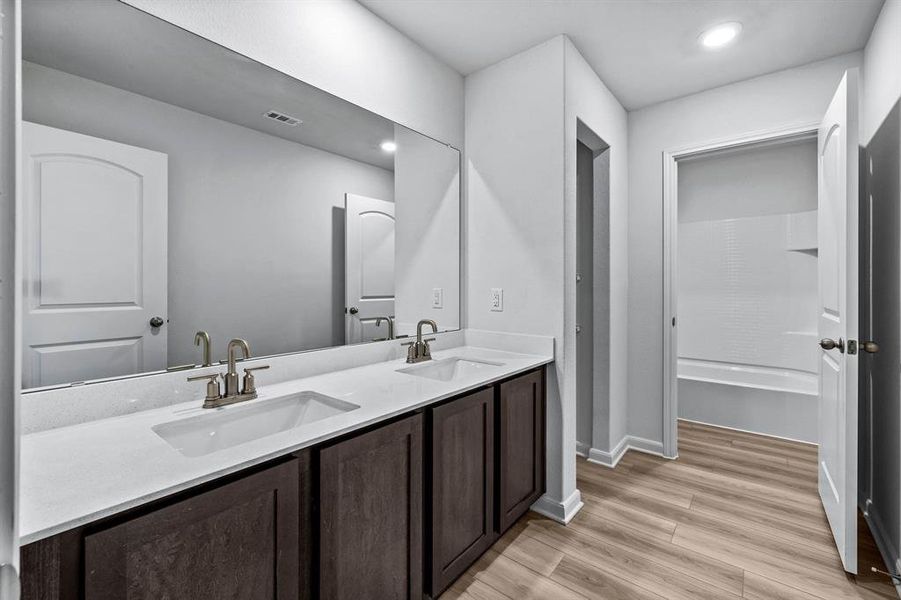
496,299
437,297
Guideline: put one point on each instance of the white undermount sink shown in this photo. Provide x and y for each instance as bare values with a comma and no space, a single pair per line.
222,428
450,369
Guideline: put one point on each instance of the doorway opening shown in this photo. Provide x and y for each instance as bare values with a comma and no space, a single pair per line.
740,286
592,290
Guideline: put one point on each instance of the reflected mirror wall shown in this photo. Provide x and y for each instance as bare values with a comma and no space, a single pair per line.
173,186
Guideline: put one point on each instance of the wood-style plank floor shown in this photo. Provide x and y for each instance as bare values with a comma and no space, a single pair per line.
736,516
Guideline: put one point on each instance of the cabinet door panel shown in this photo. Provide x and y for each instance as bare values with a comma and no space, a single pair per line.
521,449
236,541
462,485
371,514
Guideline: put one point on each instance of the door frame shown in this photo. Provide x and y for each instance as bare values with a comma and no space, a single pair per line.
779,135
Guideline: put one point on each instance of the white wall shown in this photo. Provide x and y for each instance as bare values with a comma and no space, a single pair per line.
881,75
514,168
335,45
792,97
588,100
253,250
8,380
521,132
880,473
427,243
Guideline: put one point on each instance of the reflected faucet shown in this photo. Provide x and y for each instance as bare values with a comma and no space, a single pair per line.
378,322
203,338
231,377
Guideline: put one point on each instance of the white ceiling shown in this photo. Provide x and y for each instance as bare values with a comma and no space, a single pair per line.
645,51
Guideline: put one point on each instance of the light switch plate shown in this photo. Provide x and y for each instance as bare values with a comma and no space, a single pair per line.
496,300
437,297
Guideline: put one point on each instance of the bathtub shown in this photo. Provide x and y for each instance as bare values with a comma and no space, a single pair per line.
780,402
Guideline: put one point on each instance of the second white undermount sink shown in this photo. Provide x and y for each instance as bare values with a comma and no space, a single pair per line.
222,428
450,369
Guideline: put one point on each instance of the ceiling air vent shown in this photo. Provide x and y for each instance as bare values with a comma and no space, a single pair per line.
282,118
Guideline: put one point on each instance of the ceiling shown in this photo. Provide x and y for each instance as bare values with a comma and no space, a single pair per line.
645,51
113,43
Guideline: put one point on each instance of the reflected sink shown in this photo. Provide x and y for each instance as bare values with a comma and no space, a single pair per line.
222,428
450,369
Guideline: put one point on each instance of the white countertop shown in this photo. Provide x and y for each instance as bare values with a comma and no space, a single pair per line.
74,475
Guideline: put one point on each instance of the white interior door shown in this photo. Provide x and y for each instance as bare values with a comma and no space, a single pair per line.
369,267
94,257
837,141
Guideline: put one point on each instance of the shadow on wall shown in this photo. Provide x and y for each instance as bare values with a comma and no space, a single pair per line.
338,275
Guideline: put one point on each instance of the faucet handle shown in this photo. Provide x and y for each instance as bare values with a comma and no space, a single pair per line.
212,386
249,383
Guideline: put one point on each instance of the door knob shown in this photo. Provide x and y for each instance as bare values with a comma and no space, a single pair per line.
871,347
157,322
353,310
829,344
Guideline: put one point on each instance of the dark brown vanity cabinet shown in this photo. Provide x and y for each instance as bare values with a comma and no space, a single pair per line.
247,539
460,487
370,506
521,446
395,512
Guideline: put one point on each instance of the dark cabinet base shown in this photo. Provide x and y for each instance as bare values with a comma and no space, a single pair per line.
370,504
397,511
460,497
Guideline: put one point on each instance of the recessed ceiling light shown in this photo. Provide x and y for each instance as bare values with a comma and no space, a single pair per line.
388,146
720,35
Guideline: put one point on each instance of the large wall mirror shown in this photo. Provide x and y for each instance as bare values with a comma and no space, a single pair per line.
172,186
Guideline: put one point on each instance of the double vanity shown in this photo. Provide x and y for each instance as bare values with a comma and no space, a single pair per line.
386,480
349,458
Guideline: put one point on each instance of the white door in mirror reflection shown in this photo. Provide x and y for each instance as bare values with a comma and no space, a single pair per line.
369,267
94,257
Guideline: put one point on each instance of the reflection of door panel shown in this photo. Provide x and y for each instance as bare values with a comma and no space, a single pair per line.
837,304
94,269
369,268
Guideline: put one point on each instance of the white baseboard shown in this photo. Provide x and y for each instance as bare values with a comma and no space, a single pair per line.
562,512
886,549
582,449
629,442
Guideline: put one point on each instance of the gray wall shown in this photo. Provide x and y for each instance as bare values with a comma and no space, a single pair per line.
427,237
584,295
772,180
277,201
337,46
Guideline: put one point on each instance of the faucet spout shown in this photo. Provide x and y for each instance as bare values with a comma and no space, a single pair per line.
419,350
419,325
390,322
203,338
231,377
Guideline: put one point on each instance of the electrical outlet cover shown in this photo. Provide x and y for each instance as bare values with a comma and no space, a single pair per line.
437,297
496,300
